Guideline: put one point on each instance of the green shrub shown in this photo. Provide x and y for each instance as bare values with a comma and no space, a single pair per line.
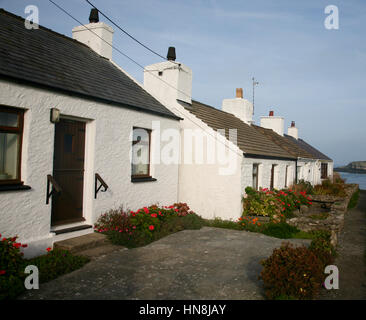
321,244
50,266
294,272
280,230
56,263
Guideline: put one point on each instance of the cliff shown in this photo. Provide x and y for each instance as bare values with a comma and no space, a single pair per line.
354,167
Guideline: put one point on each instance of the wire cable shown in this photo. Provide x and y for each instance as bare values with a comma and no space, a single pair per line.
138,64
118,50
126,33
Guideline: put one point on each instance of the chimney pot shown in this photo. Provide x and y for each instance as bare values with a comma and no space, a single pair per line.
171,54
271,113
292,124
239,93
94,16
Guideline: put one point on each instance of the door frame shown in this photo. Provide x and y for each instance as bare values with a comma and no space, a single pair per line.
88,168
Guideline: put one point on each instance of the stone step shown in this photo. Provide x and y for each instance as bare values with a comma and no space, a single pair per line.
100,251
82,243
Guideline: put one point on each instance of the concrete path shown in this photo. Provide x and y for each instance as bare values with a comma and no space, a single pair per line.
210,263
351,260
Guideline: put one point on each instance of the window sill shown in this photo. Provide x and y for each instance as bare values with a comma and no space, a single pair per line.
142,179
14,187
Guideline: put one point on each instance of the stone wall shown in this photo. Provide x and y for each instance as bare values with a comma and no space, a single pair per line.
332,207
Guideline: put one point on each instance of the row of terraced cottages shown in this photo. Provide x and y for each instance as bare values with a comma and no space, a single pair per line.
79,136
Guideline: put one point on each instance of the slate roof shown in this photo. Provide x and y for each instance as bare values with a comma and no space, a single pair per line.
290,146
44,57
249,140
316,154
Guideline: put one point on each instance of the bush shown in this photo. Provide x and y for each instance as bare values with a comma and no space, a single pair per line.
50,266
11,268
56,263
298,272
327,187
322,246
280,230
278,205
303,186
294,272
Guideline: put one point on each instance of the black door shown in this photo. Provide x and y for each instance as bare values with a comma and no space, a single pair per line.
68,171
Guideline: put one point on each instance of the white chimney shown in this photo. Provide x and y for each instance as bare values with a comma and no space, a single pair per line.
293,131
277,124
239,107
169,80
96,35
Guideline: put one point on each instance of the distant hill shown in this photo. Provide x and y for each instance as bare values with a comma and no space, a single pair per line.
353,167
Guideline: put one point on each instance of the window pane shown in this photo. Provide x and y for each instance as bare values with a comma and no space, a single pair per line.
8,119
9,147
140,152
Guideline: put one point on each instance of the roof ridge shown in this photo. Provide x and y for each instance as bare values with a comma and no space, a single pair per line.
228,113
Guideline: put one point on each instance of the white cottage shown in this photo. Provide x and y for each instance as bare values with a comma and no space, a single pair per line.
70,120
312,165
232,154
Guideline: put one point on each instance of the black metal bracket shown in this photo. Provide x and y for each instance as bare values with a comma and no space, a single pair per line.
102,184
55,188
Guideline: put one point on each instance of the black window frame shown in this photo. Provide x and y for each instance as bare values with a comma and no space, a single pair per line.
255,177
324,170
19,131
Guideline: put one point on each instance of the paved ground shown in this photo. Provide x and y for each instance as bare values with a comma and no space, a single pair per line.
210,263
351,260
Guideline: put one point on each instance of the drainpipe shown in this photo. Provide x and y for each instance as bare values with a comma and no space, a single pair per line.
296,172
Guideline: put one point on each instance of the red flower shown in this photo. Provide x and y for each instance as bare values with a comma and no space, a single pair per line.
48,249
151,227
2,272
154,215
146,210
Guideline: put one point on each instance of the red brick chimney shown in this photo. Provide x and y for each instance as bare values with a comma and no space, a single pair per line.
239,93
271,113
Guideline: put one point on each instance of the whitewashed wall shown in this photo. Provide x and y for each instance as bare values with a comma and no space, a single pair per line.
208,191
25,213
264,172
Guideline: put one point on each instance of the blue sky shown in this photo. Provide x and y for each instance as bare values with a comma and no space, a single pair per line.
307,73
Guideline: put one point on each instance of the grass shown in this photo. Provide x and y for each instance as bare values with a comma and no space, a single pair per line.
278,230
354,199
319,216
225,224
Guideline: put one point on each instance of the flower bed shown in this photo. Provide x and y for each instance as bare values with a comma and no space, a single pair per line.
276,205
138,228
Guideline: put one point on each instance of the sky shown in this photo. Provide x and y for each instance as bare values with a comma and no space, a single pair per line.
306,73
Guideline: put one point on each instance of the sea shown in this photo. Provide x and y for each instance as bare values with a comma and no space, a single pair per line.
359,178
